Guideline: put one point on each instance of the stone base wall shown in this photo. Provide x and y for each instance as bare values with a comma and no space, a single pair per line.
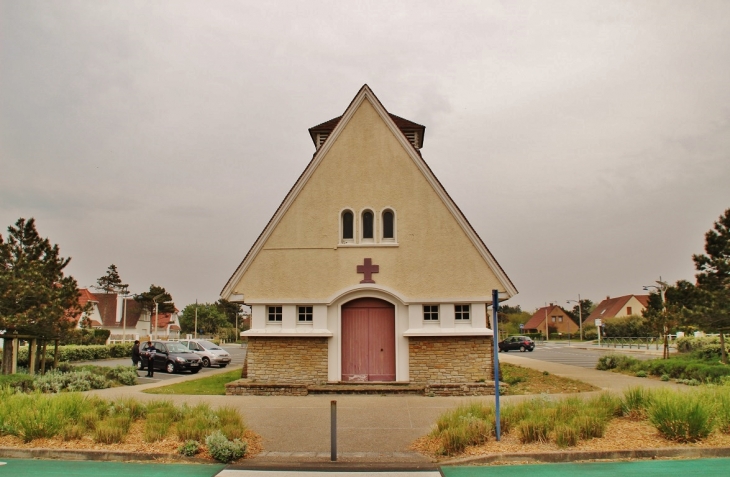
450,360
287,360
244,387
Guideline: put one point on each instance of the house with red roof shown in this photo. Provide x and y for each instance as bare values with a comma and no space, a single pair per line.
124,317
556,318
626,305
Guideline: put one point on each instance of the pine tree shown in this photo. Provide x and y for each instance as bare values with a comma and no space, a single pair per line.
35,296
156,294
111,282
713,280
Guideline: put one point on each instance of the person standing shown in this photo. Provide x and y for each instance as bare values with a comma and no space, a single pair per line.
135,353
151,352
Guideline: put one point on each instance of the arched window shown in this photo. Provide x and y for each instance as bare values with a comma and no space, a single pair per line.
388,225
348,226
367,225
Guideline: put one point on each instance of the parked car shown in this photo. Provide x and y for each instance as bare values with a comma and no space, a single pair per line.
171,356
210,353
522,343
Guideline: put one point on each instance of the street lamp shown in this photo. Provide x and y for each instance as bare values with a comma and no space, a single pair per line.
157,309
125,293
580,315
661,287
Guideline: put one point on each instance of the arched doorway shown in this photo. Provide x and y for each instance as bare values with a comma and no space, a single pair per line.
368,340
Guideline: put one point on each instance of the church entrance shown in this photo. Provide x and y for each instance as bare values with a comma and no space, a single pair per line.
368,340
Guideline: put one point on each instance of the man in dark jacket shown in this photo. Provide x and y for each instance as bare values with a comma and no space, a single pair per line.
151,352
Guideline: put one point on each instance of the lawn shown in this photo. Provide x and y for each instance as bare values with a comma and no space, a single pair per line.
215,385
529,381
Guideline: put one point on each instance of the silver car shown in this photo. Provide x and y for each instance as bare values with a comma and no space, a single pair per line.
210,353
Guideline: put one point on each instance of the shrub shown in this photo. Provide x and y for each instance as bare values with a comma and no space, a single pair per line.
156,427
37,419
535,428
665,377
189,448
682,417
689,344
21,382
641,374
636,402
721,399
112,430
127,406
196,428
566,435
81,352
125,375
627,326
591,425
72,432
610,405
223,450
616,361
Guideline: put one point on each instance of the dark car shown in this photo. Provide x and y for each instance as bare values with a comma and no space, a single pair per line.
522,343
171,356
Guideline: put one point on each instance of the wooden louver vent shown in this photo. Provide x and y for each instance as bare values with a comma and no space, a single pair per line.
412,136
321,138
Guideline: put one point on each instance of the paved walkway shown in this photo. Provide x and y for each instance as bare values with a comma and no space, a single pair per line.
369,428
605,380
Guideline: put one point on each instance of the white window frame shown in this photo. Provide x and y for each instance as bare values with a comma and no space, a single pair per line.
302,311
276,312
429,311
459,311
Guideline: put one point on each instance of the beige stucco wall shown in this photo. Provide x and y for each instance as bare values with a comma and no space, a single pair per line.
634,304
367,168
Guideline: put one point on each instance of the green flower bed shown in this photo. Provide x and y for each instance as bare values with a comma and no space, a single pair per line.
678,416
686,367
72,416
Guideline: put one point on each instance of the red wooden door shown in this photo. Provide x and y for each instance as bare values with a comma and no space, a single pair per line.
368,340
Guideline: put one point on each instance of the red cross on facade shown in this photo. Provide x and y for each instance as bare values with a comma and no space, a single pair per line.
368,269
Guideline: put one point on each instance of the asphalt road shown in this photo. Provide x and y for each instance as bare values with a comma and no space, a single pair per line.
564,353
237,352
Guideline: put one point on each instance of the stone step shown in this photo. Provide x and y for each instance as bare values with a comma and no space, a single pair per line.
367,388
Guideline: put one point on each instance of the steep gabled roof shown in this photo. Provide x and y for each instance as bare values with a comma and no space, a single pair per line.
536,320
107,308
366,94
610,307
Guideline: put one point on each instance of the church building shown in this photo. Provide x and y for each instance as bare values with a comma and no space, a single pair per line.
368,271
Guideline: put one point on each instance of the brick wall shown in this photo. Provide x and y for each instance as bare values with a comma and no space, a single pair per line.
287,360
450,360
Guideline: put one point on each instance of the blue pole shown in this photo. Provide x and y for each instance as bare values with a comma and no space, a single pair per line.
495,307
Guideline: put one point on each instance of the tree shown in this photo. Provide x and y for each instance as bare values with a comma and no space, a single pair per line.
111,282
35,296
509,310
586,307
210,318
156,294
230,310
713,280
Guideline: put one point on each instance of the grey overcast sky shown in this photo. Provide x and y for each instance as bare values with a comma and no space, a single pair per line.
588,142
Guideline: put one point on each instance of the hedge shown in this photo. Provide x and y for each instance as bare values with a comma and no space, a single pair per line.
81,353
676,367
